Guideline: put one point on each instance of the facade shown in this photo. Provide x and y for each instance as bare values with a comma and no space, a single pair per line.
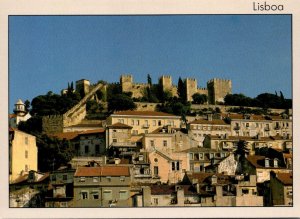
60,191
23,154
261,166
168,168
143,122
104,186
199,128
281,185
258,125
168,139
167,196
201,158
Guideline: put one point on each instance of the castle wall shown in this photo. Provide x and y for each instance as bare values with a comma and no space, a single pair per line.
218,89
191,88
52,123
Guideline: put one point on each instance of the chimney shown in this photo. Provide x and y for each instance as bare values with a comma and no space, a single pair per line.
209,117
146,196
219,191
180,195
169,129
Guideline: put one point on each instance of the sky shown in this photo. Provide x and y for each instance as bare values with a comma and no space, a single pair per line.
48,52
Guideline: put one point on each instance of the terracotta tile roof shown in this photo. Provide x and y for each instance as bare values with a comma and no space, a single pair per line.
201,149
285,178
65,135
259,162
143,113
119,125
93,131
20,179
72,135
212,122
103,171
200,177
162,190
285,155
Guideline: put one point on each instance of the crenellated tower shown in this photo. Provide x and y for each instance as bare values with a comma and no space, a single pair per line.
218,89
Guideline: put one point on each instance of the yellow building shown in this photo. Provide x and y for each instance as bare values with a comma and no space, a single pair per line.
22,153
143,122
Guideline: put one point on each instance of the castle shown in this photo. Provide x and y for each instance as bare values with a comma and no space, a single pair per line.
216,89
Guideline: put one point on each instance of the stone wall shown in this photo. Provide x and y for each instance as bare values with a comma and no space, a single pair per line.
54,124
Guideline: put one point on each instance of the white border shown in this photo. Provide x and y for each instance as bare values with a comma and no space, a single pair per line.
98,7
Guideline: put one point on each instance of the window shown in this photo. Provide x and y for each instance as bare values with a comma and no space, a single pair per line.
201,156
137,122
95,194
107,195
26,140
65,177
191,156
146,123
156,170
95,179
247,125
154,122
86,149
175,165
123,194
155,201
122,178
159,122
121,121
115,140
146,131
84,195
26,168
165,143
82,179
26,154
155,160
97,149
152,143
108,178
132,122
245,191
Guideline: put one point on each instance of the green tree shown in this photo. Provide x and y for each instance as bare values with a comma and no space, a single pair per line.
240,153
199,98
120,102
53,151
27,105
181,90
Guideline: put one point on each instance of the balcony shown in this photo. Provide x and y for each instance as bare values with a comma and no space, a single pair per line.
267,129
146,126
123,144
236,128
277,127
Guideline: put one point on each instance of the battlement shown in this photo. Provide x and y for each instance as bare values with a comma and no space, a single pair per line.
191,79
166,76
140,84
218,80
201,88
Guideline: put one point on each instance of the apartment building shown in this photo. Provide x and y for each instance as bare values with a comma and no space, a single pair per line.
143,122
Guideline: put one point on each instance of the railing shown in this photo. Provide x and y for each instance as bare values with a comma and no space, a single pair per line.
237,128
267,129
146,126
123,144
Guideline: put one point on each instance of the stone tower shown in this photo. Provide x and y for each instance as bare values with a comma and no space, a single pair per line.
218,89
83,87
126,82
166,82
191,88
19,109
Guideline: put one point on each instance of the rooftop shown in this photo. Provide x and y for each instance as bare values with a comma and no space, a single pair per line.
119,125
285,178
210,122
103,171
143,113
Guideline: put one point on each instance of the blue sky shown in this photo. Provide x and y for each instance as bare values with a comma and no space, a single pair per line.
47,52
